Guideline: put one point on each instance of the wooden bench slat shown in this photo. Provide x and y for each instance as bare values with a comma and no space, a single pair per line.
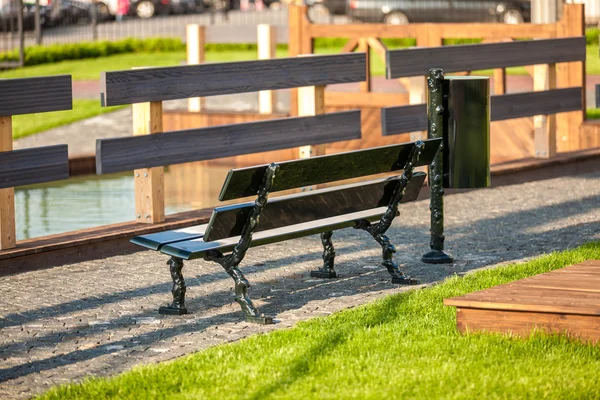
129,153
244,182
34,165
35,95
196,248
404,119
155,241
418,61
228,221
170,83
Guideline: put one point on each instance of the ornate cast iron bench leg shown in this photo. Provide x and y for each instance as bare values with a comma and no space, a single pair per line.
230,262
378,230
178,291
241,287
327,270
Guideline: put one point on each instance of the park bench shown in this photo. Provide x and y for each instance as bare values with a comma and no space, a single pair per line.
234,228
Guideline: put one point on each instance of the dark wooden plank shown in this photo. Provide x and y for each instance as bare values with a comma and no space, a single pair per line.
308,206
418,61
128,153
33,165
169,83
404,119
241,34
536,103
35,95
191,249
316,170
155,241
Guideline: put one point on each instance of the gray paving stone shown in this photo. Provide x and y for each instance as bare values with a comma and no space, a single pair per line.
98,318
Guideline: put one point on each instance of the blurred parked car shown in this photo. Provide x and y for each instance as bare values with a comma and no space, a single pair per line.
68,12
399,12
187,6
149,8
9,17
334,7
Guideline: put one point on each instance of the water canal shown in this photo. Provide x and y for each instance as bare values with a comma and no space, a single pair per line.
91,201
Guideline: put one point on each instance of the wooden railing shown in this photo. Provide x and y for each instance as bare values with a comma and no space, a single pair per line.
545,54
150,149
266,37
28,166
368,37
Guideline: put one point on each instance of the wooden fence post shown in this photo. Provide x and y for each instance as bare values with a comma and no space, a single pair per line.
571,74
311,101
195,41
428,35
267,47
149,182
7,196
544,78
363,46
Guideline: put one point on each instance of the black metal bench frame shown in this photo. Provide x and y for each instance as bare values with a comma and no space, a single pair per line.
230,262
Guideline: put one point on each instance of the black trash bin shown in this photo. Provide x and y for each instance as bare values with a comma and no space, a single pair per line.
466,132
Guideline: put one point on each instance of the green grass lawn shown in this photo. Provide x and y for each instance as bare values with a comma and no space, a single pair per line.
24,125
402,346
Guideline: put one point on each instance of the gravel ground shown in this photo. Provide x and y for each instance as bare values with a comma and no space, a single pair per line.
99,318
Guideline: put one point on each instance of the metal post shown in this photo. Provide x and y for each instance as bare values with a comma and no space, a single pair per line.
38,24
21,28
94,20
435,127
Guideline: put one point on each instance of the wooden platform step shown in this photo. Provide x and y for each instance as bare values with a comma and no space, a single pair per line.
563,301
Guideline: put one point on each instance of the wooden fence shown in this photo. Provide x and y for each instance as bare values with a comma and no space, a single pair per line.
368,38
545,54
266,37
34,165
150,149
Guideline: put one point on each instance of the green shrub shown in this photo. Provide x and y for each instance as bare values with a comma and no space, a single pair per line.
591,35
36,55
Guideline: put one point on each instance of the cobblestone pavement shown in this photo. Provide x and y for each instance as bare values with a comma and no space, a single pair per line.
99,317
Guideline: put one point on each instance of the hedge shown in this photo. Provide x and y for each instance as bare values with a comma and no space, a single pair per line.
60,52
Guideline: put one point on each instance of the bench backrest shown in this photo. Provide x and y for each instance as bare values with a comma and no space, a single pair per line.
244,182
228,221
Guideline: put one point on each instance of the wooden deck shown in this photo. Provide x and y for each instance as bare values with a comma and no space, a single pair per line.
566,300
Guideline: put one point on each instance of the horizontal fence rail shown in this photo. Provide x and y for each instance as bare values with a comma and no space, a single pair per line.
33,165
405,119
129,153
170,83
241,34
418,61
34,95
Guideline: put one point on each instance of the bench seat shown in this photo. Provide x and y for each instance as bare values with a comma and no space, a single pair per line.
197,248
